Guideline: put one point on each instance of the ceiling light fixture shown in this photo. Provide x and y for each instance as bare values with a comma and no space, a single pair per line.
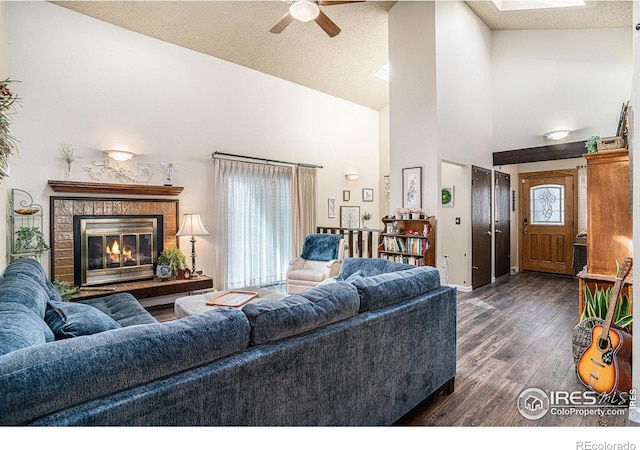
557,135
119,155
304,10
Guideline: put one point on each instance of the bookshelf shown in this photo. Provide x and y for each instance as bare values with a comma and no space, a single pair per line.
408,244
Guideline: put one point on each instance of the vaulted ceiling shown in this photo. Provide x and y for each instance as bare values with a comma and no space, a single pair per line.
342,66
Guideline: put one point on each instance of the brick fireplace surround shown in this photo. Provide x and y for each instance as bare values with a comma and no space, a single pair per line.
64,208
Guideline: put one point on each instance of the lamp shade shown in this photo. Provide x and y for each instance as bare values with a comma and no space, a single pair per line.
192,226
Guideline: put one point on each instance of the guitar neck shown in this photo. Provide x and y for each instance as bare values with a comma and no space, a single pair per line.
617,287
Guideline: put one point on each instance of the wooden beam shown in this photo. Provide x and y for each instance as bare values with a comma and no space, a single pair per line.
544,153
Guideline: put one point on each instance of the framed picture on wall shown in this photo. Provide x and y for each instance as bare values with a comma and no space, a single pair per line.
346,196
447,196
412,187
367,194
349,217
332,208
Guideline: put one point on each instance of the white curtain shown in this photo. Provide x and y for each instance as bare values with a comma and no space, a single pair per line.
253,223
582,199
304,205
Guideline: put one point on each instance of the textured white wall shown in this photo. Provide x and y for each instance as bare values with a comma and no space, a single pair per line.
545,80
97,86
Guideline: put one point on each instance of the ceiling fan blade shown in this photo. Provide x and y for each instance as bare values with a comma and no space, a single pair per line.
282,23
327,25
343,2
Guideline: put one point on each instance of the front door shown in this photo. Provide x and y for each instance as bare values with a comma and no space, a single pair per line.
547,221
502,223
480,227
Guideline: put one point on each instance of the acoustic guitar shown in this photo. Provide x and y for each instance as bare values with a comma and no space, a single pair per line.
604,366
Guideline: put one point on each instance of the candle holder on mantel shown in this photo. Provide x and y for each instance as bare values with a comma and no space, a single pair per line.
192,226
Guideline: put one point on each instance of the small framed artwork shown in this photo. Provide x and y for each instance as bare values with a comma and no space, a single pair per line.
412,187
346,196
332,208
447,196
367,194
349,217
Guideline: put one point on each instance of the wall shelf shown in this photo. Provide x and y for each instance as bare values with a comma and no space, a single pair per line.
112,188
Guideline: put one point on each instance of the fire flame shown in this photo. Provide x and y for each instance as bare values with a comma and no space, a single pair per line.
113,252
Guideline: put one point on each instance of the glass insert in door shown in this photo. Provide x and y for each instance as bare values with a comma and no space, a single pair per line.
547,204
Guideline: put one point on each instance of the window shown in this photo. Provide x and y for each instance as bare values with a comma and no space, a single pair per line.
547,204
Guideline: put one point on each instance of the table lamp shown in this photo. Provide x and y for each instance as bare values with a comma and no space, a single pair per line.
192,226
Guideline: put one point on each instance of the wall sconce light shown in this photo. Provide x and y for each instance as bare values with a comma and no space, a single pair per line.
557,135
351,176
119,155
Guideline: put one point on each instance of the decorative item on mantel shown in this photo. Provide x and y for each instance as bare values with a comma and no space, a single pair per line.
142,174
170,167
68,155
8,143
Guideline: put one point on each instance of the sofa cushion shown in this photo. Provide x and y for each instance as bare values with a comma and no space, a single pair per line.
369,267
277,319
68,320
22,305
385,289
38,381
123,308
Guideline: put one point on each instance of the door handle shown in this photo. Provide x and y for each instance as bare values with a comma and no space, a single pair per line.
499,231
488,233
475,267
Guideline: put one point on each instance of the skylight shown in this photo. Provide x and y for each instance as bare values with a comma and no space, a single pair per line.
518,5
383,72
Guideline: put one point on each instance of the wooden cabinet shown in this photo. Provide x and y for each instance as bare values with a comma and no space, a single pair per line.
410,241
609,219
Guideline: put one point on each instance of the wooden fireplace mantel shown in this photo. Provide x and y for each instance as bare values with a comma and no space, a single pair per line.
112,188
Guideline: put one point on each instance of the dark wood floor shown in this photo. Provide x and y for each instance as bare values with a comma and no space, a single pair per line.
512,335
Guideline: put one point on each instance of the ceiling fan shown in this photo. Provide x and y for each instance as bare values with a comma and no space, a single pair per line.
308,10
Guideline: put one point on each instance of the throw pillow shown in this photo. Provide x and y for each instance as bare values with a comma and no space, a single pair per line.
68,320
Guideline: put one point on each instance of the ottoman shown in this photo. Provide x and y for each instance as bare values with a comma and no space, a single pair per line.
192,305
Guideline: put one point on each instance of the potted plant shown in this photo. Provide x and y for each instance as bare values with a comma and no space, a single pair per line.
365,218
66,289
30,240
592,144
174,258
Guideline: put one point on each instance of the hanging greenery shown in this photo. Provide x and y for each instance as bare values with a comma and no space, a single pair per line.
8,102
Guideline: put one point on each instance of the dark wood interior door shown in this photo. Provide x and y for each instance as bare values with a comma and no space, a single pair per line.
480,227
548,208
502,223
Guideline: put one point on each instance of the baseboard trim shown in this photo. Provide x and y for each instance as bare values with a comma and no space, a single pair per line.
461,288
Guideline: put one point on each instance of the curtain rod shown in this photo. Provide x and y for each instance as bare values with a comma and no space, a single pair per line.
313,166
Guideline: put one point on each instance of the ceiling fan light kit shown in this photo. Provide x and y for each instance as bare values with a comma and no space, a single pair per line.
308,10
304,11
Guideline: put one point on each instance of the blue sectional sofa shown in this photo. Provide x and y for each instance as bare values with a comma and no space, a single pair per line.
363,348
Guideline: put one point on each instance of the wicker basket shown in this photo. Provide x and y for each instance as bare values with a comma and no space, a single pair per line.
610,143
582,336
